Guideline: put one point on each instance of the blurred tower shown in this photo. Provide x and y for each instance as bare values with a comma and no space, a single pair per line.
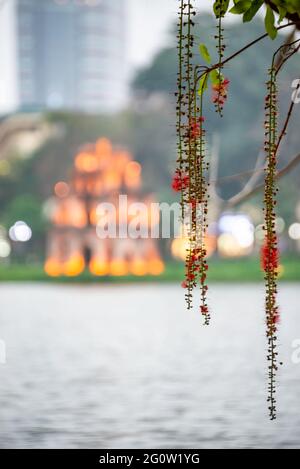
101,174
71,54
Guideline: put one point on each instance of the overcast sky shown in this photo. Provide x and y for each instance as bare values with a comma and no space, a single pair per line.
148,24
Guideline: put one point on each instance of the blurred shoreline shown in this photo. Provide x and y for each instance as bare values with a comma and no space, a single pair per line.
233,270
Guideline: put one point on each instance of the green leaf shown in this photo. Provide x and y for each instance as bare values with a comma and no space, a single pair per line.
270,23
240,7
251,12
220,7
282,13
202,84
204,53
293,6
214,77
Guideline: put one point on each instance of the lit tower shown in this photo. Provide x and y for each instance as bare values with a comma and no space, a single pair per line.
101,174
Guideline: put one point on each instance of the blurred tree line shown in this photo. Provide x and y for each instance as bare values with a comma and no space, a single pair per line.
147,130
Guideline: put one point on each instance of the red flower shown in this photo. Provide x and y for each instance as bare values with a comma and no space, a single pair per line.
276,318
220,92
204,309
180,181
184,284
195,127
269,257
193,203
190,276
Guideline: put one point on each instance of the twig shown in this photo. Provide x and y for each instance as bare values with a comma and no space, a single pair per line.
240,51
255,176
237,200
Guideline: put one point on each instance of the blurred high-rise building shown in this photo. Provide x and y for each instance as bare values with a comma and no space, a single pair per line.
71,54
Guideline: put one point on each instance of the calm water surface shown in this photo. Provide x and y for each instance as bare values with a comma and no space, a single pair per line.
128,366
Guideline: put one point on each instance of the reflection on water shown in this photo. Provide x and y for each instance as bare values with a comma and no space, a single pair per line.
128,366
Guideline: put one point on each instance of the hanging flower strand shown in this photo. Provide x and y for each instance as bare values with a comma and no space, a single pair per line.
220,88
201,210
270,254
202,252
190,136
196,264
184,174
189,176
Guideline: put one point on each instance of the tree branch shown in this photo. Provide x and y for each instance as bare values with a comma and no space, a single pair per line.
240,51
242,196
250,185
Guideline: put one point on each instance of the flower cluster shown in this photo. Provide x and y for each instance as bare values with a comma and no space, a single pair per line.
194,263
195,130
269,255
220,93
180,181
196,270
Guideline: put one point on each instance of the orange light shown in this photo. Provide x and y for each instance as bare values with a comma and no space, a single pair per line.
112,180
86,162
52,267
210,244
61,189
138,267
155,267
98,187
99,266
180,246
70,212
76,214
103,147
94,216
132,175
101,171
118,267
74,266
120,160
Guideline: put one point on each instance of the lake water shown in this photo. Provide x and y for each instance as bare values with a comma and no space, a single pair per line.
128,367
